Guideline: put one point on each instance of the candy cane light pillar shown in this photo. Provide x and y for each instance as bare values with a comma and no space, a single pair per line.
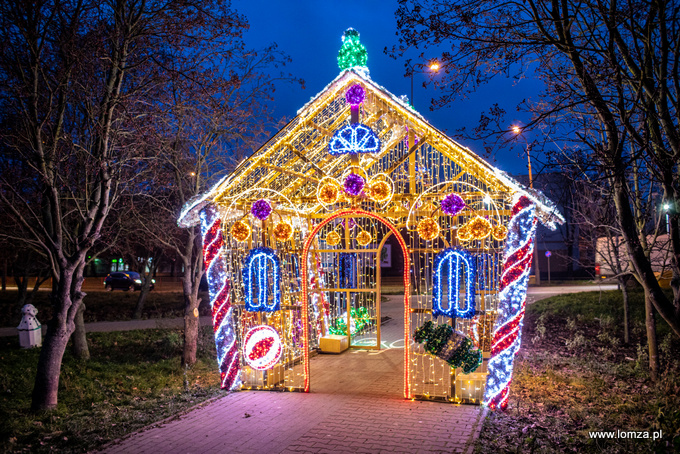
519,248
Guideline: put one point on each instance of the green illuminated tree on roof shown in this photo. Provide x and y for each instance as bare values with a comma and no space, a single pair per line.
352,53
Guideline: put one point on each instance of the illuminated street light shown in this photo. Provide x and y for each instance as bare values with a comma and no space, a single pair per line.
434,67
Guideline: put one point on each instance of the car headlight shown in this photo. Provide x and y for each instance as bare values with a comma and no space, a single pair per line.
138,281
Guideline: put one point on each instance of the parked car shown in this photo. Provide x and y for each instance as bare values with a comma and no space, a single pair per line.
125,280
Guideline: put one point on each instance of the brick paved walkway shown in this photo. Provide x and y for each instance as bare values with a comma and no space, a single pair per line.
355,406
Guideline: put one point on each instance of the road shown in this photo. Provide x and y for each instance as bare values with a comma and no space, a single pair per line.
539,293
534,294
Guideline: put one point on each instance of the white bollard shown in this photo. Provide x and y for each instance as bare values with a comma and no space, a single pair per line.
30,334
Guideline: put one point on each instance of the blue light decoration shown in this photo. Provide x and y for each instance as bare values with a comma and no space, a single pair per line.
449,261
485,268
352,139
260,263
347,269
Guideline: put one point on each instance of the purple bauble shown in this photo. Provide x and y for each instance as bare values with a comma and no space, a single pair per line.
261,209
452,204
355,95
354,184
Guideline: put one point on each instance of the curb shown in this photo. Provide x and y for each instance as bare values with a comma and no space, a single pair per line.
478,430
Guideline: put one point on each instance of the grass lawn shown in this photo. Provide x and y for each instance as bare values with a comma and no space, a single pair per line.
133,379
103,306
574,375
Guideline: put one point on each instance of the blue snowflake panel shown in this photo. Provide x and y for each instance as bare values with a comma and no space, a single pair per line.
354,138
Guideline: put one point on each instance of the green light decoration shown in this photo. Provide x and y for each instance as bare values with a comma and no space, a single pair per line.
453,347
352,53
359,318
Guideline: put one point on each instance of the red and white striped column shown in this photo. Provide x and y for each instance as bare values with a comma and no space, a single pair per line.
519,248
228,358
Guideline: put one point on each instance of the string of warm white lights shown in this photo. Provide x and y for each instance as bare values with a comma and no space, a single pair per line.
294,243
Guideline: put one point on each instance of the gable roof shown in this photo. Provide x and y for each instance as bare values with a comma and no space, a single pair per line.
297,154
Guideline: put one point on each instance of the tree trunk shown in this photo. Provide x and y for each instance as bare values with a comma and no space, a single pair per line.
66,299
146,288
79,336
652,346
45,390
191,302
22,289
626,322
643,268
139,307
4,274
38,282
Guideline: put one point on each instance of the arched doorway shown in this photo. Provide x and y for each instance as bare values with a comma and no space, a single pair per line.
305,288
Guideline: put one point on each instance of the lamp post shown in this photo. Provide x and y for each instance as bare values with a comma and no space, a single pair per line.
434,67
537,271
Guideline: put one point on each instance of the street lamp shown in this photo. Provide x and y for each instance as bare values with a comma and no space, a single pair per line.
518,132
434,67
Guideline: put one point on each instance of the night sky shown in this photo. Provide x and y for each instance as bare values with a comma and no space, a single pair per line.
310,33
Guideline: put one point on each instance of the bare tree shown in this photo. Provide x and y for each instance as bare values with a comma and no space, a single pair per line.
207,124
77,81
610,71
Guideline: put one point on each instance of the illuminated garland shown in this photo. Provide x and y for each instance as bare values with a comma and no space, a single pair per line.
352,139
485,271
464,233
347,269
451,346
323,321
355,95
228,359
359,318
480,227
407,291
428,229
262,347
328,193
518,253
256,271
240,231
364,238
283,231
499,232
261,209
333,238
352,53
380,191
354,184
452,204
450,260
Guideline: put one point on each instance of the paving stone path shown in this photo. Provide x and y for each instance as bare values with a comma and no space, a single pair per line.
355,406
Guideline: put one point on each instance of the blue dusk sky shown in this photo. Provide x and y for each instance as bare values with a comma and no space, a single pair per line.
310,32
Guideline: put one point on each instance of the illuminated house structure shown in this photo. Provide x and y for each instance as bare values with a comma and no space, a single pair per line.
292,241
